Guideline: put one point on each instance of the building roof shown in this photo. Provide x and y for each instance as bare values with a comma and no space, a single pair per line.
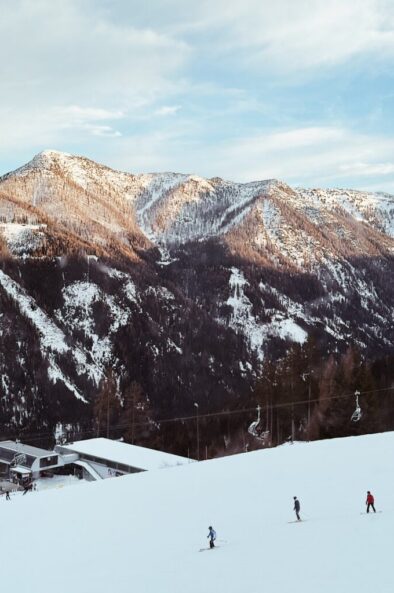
21,470
132,455
26,449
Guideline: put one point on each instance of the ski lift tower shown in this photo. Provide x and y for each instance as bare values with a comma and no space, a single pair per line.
198,430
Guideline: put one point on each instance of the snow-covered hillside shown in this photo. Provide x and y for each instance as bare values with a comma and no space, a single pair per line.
373,208
143,532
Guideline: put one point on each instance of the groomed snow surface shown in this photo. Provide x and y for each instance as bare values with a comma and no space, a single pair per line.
143,532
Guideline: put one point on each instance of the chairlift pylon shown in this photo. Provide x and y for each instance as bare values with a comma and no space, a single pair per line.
357,414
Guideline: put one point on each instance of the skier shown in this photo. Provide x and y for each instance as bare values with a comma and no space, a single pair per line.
7,496
297,507
28,488
212,536
370,502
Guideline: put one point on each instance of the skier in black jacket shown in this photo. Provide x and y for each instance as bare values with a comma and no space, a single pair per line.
297,507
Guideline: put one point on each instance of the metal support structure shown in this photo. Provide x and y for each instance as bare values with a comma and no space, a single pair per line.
107,410
309,410
198,430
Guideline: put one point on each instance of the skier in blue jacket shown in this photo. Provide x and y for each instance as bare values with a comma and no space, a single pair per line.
212,536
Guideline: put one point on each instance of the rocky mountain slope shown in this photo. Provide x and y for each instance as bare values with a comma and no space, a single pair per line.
182,284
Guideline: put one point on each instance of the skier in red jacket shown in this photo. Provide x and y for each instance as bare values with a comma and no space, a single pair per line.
370,502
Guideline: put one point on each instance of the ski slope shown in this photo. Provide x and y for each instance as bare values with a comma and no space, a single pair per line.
141,533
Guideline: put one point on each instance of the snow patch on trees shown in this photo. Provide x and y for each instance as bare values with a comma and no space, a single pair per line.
77,313
243,321
52,338
375,209
22,238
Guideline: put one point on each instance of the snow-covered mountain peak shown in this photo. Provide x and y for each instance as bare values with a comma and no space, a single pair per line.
77,169
50,155
373,208
43,161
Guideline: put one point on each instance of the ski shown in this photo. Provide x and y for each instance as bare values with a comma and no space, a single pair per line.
207,549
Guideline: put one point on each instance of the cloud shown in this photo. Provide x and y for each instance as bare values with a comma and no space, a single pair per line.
86,118
106,131
167,110
295,36
78,114
367,169
311,155
69,66
76,123
243,89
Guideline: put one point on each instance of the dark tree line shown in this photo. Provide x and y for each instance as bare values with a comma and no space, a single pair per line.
306,397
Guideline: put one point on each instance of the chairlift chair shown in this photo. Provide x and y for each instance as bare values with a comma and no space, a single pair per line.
357,414
261,436
253,427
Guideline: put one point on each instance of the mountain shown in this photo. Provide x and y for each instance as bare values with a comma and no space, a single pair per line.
117,532
182,284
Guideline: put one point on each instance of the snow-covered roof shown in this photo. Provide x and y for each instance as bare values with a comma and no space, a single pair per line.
21,448
132,455
21,470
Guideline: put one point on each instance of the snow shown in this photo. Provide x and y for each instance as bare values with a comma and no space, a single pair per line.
243,321
55,374
129,288
22,238
52,339
77,313
80,170
288,329
242,204
272,222
177,208
142,532
173,346
139,457
375,209
155,188
57,481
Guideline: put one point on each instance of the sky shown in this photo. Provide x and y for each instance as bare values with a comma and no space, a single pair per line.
298,90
